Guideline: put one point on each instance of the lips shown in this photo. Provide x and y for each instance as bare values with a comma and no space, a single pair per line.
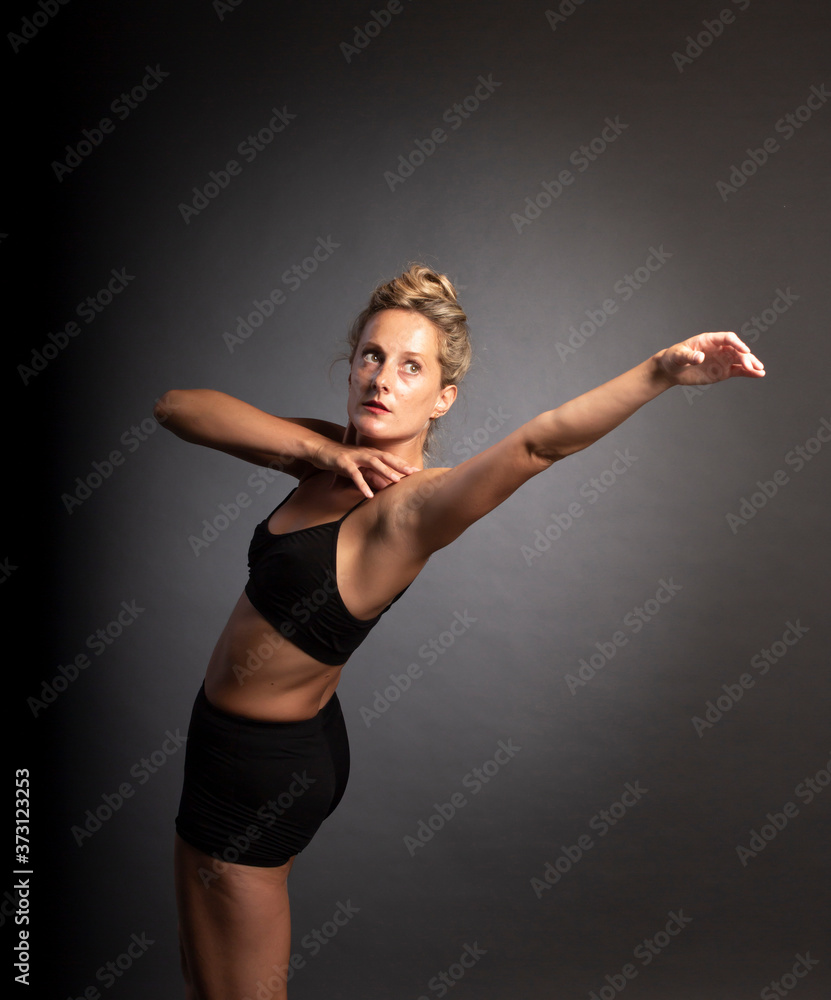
376,406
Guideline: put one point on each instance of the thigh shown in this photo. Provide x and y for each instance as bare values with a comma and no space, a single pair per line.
234,927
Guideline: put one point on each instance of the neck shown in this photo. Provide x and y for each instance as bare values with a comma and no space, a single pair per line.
410,449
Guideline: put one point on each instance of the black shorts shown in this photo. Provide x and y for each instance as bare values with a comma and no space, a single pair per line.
256,792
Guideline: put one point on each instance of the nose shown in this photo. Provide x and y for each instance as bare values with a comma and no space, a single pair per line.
381,378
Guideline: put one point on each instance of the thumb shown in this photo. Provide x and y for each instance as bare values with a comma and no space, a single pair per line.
687,356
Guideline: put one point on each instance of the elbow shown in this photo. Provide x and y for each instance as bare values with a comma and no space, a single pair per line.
545,442
546,455
552,452
551,440
542,454
167,405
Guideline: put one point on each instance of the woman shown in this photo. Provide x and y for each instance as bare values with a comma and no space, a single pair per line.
267,756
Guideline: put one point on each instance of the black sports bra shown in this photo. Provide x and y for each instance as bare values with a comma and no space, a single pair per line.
293,584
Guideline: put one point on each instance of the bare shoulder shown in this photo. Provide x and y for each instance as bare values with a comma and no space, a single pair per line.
429,509
408,495
394,509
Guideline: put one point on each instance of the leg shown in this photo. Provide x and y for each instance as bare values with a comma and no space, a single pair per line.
255,791
234,927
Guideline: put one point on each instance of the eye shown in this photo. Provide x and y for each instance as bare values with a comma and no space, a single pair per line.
371,356
413,367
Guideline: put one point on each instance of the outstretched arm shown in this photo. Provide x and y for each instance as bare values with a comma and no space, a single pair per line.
216,420
457,497
701,360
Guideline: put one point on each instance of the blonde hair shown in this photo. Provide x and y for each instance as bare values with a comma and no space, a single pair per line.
424,291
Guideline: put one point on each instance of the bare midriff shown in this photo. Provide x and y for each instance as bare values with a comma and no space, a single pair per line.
255,669
257,672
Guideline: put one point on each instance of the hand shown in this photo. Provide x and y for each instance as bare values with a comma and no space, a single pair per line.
368,468
709,358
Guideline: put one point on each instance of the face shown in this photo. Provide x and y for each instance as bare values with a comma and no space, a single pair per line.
395,379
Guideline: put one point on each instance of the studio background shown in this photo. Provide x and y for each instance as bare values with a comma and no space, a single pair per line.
651,812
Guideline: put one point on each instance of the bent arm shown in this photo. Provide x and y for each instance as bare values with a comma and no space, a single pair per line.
455,498
216,420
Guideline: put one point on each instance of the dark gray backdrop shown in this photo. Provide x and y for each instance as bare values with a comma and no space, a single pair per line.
644,628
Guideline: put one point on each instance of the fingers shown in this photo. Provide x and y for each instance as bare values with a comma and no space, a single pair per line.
361,483
745,363
377,482
749,367
394,462
754,365
380,469
390,466
726,338
720,346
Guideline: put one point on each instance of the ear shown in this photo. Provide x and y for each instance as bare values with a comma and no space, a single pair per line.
446,399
